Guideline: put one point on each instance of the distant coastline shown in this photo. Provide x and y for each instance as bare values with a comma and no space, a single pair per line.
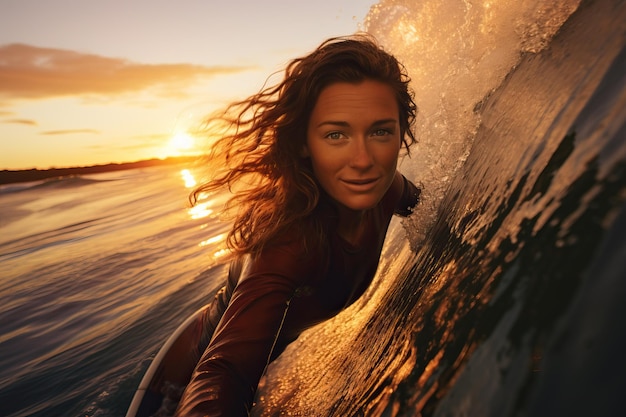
28,175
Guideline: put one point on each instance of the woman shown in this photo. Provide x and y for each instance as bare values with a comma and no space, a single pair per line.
312,162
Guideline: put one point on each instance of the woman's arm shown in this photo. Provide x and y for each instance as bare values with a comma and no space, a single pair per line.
226,378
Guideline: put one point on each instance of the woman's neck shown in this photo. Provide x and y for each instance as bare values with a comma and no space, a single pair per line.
351,225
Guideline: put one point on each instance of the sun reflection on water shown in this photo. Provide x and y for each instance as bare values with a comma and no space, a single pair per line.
218,242
188,178
213,240
203,209
200,211
221,253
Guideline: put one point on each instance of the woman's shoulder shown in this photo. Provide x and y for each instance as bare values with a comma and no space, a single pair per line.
289,257
402,196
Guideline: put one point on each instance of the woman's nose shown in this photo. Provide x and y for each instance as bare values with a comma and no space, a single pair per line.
361,157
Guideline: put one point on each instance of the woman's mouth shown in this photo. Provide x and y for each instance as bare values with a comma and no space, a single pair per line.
360,184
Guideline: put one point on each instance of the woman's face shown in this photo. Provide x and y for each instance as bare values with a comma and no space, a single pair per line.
353,140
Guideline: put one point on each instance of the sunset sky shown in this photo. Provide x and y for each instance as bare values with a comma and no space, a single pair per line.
87,82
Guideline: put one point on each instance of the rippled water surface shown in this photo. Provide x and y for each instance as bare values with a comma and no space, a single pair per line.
498,297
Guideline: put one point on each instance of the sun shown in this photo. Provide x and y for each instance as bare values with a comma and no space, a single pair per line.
181,141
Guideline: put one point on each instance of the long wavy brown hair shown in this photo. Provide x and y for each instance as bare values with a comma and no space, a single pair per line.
259,155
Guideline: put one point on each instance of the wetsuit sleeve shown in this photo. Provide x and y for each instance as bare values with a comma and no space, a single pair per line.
227,375
409,197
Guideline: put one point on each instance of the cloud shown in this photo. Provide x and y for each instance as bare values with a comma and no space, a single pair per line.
30,72
27,122
134,144
70,132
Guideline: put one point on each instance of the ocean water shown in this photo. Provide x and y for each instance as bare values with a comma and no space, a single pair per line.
501,296
94,272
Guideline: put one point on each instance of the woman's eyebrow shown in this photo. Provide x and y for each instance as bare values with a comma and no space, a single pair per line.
342,123
384,122
334,123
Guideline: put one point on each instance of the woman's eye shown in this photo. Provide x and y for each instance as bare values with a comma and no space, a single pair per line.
381,132
334,135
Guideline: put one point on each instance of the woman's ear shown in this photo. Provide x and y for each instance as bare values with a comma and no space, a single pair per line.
304,152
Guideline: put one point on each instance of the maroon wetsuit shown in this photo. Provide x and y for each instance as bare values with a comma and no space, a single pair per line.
283,292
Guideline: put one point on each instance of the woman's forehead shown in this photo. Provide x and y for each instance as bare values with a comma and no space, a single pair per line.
343,99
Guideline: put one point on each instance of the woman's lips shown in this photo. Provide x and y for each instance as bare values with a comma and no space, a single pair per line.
360,185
